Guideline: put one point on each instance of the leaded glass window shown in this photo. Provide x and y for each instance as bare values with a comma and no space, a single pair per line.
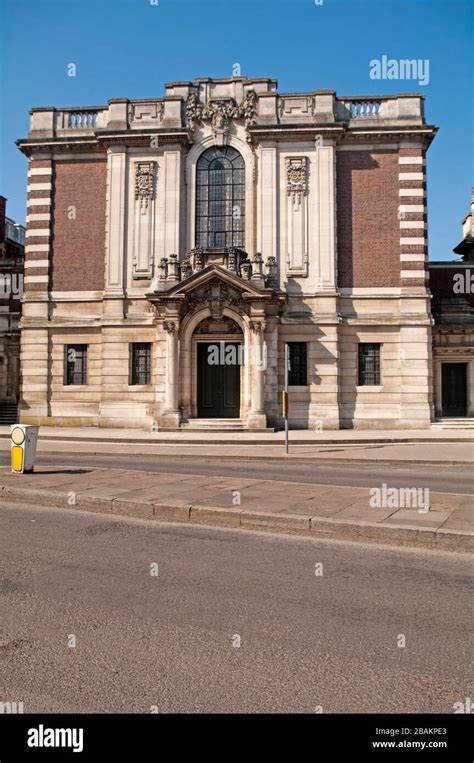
141,363
369,365
220,198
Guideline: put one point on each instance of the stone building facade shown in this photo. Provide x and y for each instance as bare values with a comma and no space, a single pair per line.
226,214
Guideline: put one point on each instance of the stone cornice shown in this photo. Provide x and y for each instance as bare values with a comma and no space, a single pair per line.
142,138
423,133
375,319
278,132
59,145
282,132
101,141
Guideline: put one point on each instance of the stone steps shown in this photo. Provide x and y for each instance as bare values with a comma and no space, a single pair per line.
8,413
218,425
453,424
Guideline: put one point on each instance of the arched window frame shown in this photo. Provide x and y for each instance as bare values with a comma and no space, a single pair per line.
220,199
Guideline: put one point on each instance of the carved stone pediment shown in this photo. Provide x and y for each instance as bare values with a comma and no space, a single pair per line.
216,295
224,325
214,288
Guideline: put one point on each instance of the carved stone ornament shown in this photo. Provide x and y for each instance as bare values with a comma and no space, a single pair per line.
146,112
144,183
215,296
256,327
221,112
280,108
297,178
224,325
170,327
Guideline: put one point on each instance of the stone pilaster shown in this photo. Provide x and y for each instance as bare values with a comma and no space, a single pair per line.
271,374
171,415
326,216
257,417
115,231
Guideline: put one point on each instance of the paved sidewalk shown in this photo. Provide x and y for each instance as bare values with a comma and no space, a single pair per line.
319,510
450,453
297,436
424,446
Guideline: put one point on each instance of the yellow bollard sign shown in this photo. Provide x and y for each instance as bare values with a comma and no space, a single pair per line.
284,404
23,438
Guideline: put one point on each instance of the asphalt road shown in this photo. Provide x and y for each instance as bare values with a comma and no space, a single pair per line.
170,641
437,477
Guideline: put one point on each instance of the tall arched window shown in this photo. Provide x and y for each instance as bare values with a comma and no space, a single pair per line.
220,198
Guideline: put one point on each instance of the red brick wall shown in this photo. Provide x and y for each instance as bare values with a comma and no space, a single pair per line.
368,227
78,245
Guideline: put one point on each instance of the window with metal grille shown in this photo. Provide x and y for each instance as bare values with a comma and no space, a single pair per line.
369,364
298,371
141,363
220,198
76,364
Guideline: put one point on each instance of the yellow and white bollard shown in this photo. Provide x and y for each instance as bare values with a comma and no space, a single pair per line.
24,438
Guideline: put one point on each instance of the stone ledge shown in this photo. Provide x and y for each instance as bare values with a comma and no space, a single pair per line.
172,511
19,494
92,503
133,508
255,520
206,515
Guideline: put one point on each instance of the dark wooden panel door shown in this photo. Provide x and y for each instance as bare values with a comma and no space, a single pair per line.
218,388
454,389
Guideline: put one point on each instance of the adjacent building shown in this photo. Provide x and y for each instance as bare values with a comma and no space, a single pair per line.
12,253
176,244
452,286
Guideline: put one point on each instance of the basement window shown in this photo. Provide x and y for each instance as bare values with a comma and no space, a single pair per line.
369,365
76,364
298,371
141,363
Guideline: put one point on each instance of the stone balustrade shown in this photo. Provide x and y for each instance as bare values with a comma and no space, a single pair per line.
271,108
80,120
407,108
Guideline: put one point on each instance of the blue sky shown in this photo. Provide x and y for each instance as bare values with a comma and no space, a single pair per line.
131,48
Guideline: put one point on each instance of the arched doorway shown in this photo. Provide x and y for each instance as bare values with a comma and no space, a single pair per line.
218,351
